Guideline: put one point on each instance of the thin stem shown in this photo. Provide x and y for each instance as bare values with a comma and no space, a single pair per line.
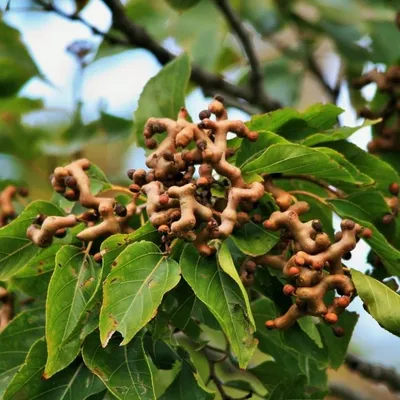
335,191
309,194
237,26
88,248
116,189
137,36
112,39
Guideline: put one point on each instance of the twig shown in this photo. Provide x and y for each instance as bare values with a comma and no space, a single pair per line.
112,39
137,36
313,67
388,376
235,22
309,194
335,191
213,375
7,308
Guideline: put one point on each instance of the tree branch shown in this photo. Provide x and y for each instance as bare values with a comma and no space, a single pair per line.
112,39
388,376
137,36
235,22
345,392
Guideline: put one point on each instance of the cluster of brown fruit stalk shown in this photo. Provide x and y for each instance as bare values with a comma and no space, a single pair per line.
188,161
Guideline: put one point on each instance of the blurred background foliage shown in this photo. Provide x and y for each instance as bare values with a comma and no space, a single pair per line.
309,51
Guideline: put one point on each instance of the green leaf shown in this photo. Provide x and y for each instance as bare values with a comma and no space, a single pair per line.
71,288
293,125
17,106
337,346
180,313
333,135
382,302
359,178
282,80
187,381
16,340
124,370
34,278
388,254
225,261
254,240
292,388
163,95
16,250
381,172
134,289
182,4
287,348
383,34
300,160
98,179
115,244
310,328
222,296
270,373
16,64
76,382
250,151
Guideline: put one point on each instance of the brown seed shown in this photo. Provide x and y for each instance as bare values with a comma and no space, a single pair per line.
331,318
163,199
394,188
60,233
204,114
71,182
250,266
219,98
338,331
134,188
130,173
98,257
293,271
168,156
343,302
71,195
252,136
163,229
39,219
120,210
366,233
288,290
270,324
388,219
317,225
150,143
23,192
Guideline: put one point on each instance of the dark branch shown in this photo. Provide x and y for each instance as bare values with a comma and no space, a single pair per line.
346,392
137,36
313,66
248,47
112,39
388,376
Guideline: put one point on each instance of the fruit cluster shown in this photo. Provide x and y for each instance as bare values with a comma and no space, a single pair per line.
386,132
186,165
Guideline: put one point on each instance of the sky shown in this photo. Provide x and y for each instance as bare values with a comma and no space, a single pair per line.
116,83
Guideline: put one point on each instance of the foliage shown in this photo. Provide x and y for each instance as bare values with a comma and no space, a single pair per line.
138,312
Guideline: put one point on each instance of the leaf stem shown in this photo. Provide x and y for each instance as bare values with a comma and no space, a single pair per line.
309,194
